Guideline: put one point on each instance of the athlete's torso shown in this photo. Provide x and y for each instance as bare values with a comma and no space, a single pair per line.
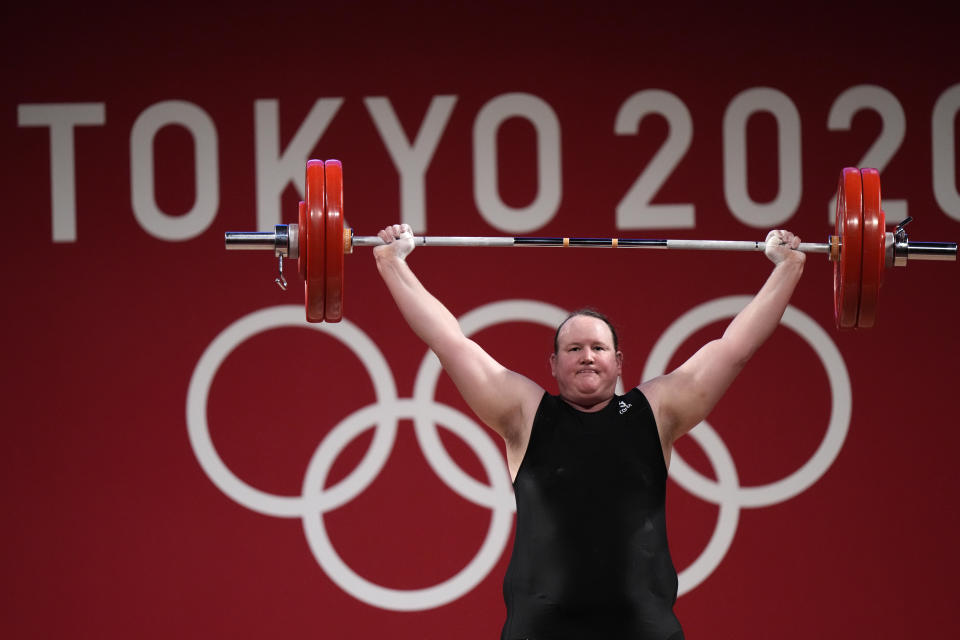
590,556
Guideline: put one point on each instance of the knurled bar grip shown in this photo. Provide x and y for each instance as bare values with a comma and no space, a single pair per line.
267,240
634,243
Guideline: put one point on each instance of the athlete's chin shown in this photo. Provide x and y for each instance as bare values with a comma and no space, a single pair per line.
587,387
592,385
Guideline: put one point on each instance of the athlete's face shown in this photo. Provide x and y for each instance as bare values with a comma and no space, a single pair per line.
586,365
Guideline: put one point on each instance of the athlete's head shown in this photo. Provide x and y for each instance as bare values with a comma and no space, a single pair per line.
586,360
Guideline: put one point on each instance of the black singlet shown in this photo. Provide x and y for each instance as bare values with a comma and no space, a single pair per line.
590,557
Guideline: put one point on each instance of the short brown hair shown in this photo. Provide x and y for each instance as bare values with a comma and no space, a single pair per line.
590,313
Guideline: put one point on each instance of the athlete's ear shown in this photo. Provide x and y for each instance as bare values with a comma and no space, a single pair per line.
553,365
619,362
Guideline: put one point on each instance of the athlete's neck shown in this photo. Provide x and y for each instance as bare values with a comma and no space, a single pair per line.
588,408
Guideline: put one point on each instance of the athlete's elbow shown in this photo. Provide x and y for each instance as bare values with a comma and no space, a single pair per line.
734,352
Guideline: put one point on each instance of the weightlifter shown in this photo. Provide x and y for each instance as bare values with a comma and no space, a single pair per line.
589,467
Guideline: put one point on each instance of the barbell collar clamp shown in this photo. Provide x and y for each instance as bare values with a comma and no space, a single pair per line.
284,240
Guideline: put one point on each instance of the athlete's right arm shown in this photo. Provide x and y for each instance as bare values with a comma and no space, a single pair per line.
506,401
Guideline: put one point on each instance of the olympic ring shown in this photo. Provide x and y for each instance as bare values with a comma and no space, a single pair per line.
427,414
501,520
726,491
199,389
429,374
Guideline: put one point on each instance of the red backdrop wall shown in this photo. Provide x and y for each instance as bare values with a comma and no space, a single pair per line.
185,457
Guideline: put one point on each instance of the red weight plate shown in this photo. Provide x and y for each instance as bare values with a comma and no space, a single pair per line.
334,227
846,270
302,255
316,236
874,229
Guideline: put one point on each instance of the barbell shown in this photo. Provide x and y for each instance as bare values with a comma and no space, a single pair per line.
860,249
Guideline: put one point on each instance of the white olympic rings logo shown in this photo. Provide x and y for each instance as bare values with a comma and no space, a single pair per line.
426,414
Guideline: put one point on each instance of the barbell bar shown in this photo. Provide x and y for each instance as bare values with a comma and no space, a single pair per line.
860,249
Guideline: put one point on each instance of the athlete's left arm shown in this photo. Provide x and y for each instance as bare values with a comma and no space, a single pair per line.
684,397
